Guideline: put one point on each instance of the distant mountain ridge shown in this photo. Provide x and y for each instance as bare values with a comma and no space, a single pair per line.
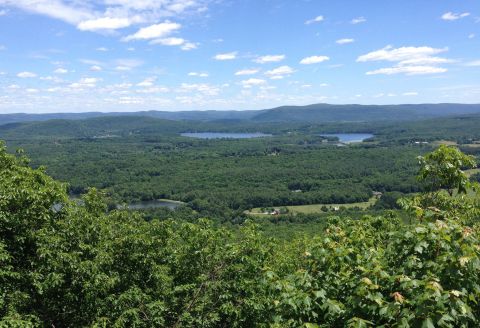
316,113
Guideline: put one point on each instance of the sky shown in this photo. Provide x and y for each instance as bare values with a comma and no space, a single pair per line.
132,55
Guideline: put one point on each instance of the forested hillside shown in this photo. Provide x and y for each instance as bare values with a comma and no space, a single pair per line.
66,264
315,113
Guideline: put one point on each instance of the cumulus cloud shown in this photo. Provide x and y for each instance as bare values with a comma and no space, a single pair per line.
226,56
248,71
169,41
411,93
473,63
449,16
408,70
269,59
198,74
358,20
58,9
174,41
409,60
314,60
95,68
253,82
60,71
93,15
189,46
148,82
104,23
154,31
317,19
202,88
280,72
399,54
127,64
25,75
345,41
86,82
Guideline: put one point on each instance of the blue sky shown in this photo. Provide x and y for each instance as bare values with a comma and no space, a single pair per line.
129,55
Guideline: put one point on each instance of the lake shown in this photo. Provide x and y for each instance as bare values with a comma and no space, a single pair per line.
223,135
349,137
171,204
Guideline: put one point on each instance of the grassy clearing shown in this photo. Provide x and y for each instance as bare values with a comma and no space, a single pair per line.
445,142
315,208
471,172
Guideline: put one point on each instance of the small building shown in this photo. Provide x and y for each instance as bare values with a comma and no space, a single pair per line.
377,194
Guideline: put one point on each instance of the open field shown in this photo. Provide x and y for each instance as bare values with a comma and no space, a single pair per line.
316,208
471,172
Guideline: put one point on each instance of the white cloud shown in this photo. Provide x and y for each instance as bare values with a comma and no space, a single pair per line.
31,90
188,46
104,23
226,56
54,79
173,41
72,14
169,41
148,82
317,19
269,59
154,31
2,47
123,68
60,71
473,63
280,71
95,68
90,62
314,60
93,15
454,16
471,35
345,41
253,82
358,20
86,82
202,88
425,61
248,71
398,54
3,12
410,60
127,64
198,74
154,90
412,93
102,49
25,75
408,70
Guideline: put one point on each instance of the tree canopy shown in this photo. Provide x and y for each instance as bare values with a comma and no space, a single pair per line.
74,264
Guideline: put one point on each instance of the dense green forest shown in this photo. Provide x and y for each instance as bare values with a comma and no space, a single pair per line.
69,264
142,158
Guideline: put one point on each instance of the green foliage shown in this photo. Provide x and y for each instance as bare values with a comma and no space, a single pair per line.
443,167
68,264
